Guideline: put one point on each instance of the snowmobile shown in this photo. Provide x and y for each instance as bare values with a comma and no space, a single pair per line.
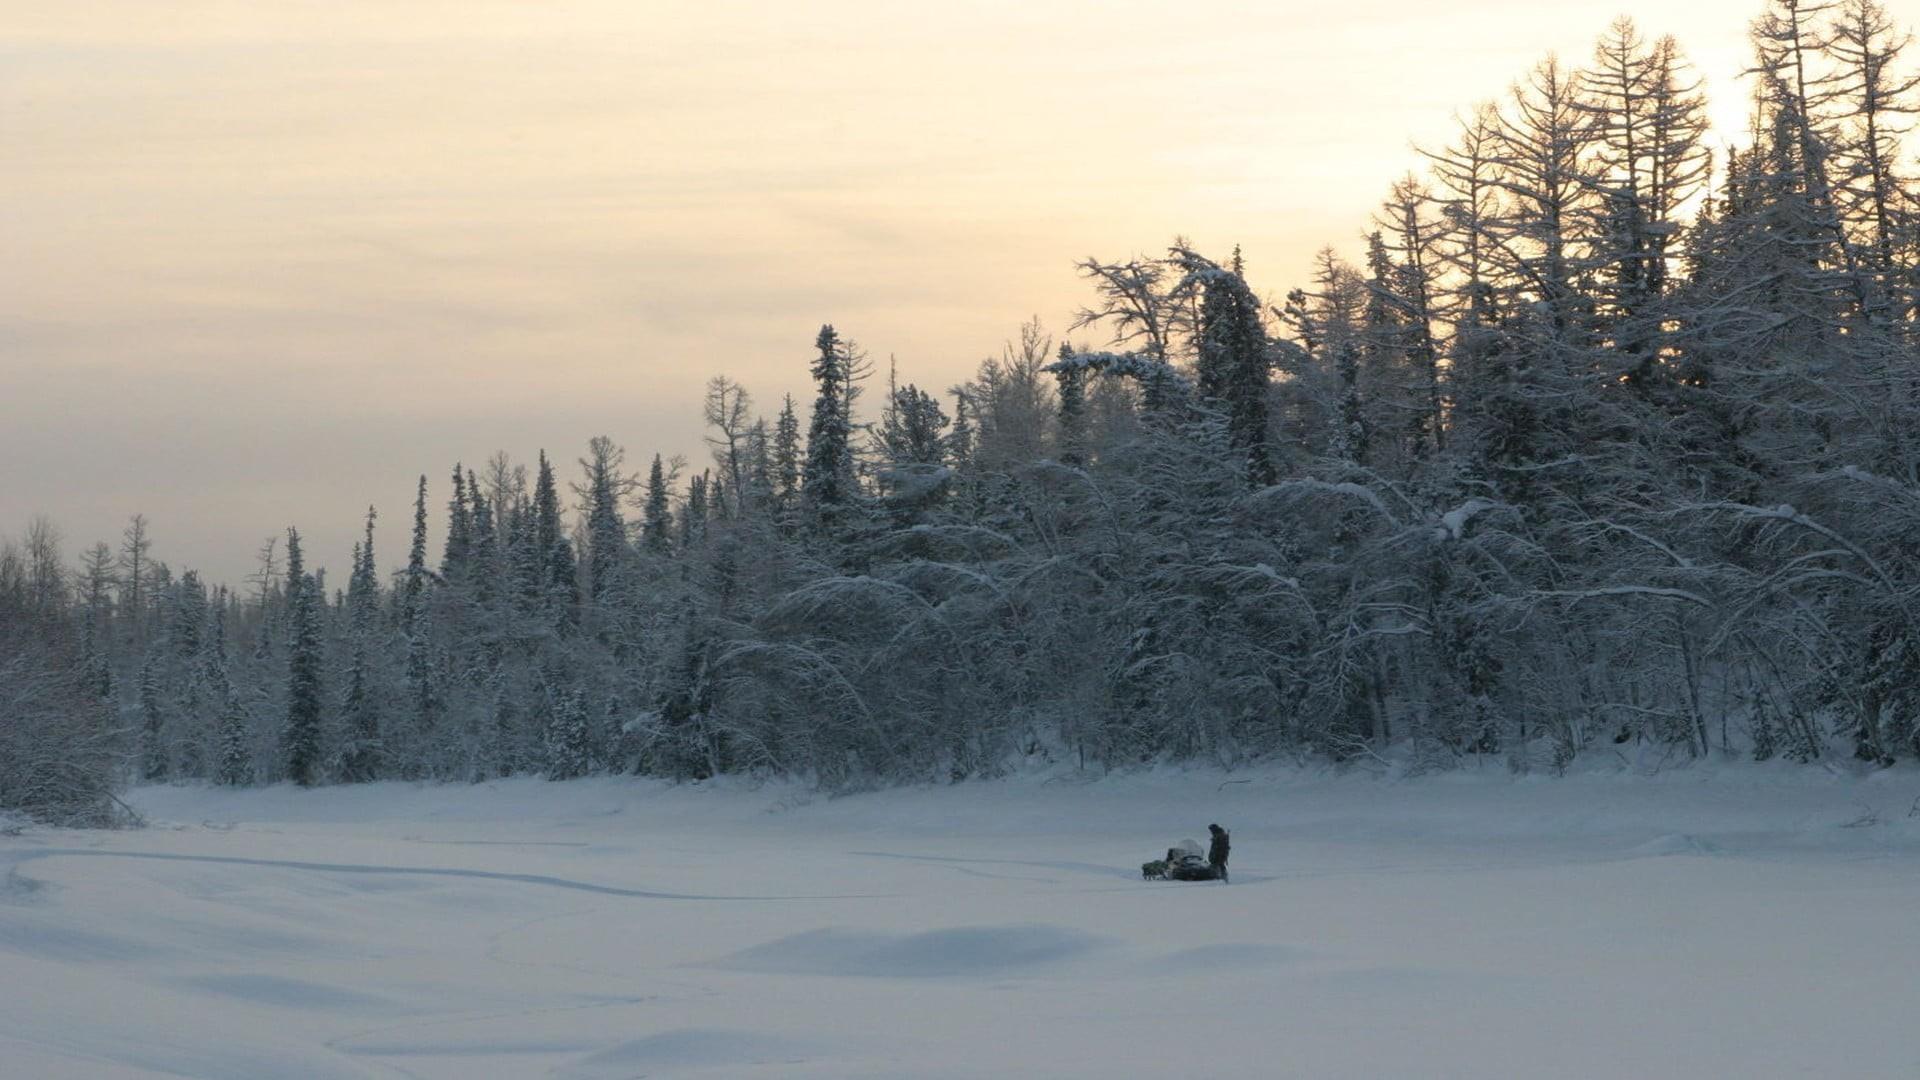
1184,862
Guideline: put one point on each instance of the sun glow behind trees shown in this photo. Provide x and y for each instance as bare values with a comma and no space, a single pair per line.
466,226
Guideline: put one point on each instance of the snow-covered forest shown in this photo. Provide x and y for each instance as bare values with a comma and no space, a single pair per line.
1608,442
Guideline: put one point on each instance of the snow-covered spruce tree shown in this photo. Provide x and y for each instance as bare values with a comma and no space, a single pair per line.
911,450
786,459
155,740
459,544
825,481
656,522
693,513
525,570
912,427
606,486
569,748
681,739
95,587
186,637
300,735
361,748
759,494
233,759
484,558
410,594
1231,364
559,574
423,701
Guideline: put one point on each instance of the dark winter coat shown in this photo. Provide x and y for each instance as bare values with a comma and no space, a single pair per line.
1217,851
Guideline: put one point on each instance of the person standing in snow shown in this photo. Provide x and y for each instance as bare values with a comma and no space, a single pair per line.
1217,852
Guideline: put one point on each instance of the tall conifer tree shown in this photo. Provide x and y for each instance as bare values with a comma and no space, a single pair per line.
300,745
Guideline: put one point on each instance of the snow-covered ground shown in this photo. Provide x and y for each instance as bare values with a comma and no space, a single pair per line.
1727,922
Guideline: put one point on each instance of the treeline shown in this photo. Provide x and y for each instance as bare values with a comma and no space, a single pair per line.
1608,445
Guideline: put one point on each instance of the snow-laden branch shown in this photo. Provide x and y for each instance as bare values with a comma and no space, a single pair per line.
1288,490
1606,591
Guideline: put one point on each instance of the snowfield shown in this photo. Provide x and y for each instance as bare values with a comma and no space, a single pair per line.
1732,921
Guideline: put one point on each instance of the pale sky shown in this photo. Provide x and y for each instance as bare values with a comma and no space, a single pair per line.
266,261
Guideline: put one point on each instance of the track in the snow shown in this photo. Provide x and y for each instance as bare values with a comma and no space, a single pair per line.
422,871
